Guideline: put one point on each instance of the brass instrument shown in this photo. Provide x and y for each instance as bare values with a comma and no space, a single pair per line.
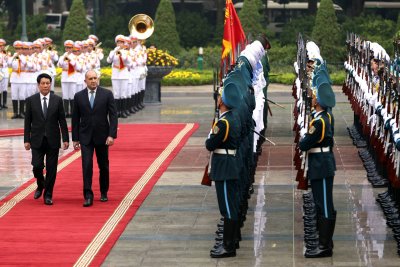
142,26
98,45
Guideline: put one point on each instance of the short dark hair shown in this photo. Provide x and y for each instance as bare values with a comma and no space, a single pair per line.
43,75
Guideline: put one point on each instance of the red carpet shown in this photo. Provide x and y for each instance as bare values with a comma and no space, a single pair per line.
68,234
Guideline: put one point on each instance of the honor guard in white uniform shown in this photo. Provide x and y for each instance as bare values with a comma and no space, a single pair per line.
81,67
120,74
135,75
142,59
4,75
50,52
68,80
17,79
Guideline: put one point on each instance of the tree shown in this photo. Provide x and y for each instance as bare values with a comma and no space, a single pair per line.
194,29
251,18
76,26
326,33
165,35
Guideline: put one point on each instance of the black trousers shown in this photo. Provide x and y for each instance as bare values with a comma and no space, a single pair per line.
87,168
228,198
51,167
322,193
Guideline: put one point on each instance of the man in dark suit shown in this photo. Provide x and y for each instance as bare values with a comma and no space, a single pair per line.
94,128
44,118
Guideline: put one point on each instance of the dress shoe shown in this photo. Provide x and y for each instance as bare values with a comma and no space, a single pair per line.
38,193
48,201
104,198
88,202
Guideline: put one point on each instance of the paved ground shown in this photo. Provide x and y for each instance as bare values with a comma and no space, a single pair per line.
175,224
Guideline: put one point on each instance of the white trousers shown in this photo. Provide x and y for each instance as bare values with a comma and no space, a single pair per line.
120,88
4,85
68,90
18,91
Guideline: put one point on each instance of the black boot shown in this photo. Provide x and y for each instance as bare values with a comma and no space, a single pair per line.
15,109
120,110
326,228
4,99
125,105
141,96
21,109
227,247
131,105
136,102
66,108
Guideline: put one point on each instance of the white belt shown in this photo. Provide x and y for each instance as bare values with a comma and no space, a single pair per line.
319,149
225,151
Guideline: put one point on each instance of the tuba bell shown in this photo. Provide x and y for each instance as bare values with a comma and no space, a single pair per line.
141,26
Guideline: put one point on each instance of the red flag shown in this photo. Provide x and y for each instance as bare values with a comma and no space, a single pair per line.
234,39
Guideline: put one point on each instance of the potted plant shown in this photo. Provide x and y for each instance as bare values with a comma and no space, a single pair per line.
159,64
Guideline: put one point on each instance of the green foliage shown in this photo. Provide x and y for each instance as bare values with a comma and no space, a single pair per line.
35,28
194,29
251,18
165,35
180,77
338,77
211,57
290,31
282,55
284,78
76,26
326,32
110,27
374,28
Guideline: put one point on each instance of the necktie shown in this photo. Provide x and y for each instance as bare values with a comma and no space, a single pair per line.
91,100
45,107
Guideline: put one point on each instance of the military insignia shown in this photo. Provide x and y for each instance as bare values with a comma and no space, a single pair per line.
215,129
311,130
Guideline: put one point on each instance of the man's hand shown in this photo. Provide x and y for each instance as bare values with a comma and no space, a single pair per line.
65,145
76,145
109,141
27,146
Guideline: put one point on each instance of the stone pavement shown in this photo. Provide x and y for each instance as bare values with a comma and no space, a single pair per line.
175,225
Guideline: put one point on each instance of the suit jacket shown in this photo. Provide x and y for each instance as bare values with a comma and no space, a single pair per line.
37,126
94,124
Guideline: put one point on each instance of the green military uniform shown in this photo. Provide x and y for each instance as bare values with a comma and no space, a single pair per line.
223,142
318,142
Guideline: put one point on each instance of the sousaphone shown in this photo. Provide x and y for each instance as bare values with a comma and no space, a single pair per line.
141,26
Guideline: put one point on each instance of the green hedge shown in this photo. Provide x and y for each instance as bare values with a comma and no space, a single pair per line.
185,77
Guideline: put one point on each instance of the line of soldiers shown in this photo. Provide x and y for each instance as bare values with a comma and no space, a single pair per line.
129,73
29,59
231,140
128,61
372,86
314,158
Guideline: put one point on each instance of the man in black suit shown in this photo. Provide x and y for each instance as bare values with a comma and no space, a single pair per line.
94,128
44,118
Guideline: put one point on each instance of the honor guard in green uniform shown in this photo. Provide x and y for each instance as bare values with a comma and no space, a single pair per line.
318,142
223,142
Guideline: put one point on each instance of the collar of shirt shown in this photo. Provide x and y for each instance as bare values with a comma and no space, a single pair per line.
318,113
222,114
94,94
47,99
